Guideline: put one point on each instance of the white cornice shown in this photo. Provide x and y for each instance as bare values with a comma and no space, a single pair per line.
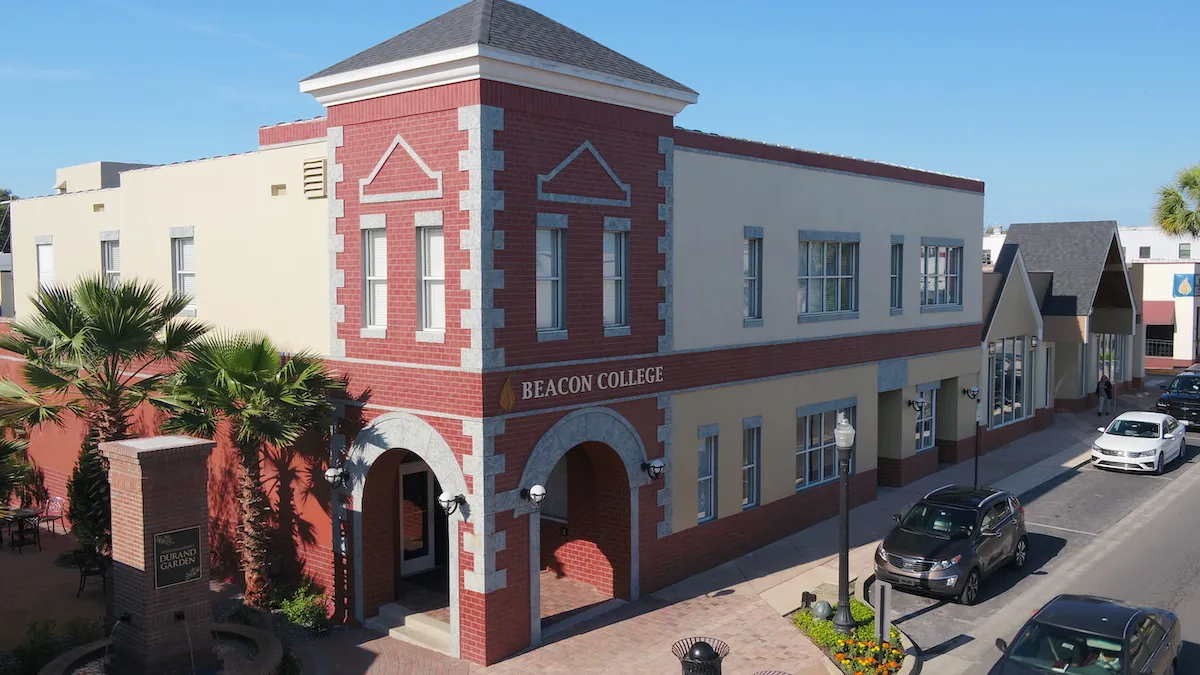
481,62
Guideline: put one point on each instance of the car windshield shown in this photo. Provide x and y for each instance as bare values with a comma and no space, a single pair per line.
1054,649
1190,384
939,521
1133,428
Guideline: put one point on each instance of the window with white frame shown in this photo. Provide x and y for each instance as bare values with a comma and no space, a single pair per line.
433,279
941,275
110,262
1011,389
897,275
1185,250
926,420
616,276
828,277
183,264
707,483
751,451
45,265
1110,356
1143,251
550,315
375,295
752,278
816,450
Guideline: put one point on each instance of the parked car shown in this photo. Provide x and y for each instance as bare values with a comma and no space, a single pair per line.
1093,636
1181,398
953,539
1139,441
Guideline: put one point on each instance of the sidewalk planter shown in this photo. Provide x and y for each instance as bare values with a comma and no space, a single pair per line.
858,653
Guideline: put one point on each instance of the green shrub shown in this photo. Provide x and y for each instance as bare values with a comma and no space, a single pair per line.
307,607
40,647
80,630
858,651
280,594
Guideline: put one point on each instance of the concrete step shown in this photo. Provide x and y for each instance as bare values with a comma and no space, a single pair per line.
403,624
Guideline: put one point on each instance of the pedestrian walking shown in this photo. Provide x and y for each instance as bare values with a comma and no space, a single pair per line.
1104,392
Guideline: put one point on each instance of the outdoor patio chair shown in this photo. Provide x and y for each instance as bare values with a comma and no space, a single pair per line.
90,567
54,511
24,532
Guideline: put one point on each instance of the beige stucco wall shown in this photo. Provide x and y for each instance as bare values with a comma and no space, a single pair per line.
1017,315
1066,370
716,196
1155,281
1064,328
776,401
956,371
262,262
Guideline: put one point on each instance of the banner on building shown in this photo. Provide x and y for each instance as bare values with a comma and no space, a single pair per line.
1185,285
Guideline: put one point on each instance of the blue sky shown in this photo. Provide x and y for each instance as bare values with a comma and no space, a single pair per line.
1068,110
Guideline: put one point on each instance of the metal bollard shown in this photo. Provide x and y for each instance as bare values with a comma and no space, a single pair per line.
700,656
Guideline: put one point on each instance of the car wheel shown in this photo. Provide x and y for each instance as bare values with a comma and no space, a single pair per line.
970,590
1021,554
1158,466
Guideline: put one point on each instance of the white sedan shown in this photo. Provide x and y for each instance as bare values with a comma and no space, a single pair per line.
1140,441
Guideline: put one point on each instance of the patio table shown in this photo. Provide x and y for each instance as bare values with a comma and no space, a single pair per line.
26,520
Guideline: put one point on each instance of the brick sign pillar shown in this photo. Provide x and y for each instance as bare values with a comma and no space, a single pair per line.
160,554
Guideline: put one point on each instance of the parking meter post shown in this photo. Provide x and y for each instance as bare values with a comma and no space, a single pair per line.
882,591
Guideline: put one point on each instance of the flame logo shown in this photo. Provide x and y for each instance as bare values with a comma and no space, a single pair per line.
1185,288
507,398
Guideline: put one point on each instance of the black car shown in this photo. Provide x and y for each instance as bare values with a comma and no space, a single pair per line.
1093,636
952,539
1181,398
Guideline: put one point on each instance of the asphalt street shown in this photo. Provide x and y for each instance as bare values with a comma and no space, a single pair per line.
1077,546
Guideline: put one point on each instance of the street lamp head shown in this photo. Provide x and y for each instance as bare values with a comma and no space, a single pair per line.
534,495
1033,341
991,349
843,436
450,503
654,468
335,476
971,392
918,404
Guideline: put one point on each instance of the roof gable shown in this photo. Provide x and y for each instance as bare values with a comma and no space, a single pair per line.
1075,252
1014,282
507,26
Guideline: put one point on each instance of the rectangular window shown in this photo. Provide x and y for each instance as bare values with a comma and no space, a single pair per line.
1011,388
751,449
752,278
941,275
549,280
433,279
183,263
616,276
110,262
927,421
828,277
897,277
1185,250
1143,251
987,257
707,485
45,263
816,451
375,278
1110,357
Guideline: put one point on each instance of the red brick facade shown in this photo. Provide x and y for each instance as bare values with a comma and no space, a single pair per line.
292,132
900,472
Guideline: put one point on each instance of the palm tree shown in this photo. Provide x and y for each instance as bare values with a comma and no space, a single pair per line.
87,349
14,467
269,400
1178,209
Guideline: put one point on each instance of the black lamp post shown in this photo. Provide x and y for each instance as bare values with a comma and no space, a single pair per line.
843,436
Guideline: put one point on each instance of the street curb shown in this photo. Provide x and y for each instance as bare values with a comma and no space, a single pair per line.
912,655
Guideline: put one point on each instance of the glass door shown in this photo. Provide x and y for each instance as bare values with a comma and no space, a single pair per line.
416,518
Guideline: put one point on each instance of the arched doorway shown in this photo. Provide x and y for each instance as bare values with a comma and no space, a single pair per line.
584,540
405,548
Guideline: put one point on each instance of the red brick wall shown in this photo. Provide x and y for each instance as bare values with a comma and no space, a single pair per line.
953,452
428,121
290,132
540,130
900,472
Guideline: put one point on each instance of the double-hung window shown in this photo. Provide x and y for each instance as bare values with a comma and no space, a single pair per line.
751,452
926,421
897,295
706,503
550,314
816,450
110,262
45,265
183,264
828,277
616,279
375,295
433,279
1185,250
752,277
941,275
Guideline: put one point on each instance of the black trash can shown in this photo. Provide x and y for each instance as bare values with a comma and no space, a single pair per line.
700,655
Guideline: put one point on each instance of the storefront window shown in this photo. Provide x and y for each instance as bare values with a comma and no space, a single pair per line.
1010,389
1110,356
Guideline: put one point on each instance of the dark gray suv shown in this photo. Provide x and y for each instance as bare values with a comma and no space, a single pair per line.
952,539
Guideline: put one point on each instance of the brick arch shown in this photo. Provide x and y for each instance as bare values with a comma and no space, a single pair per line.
383,441
597,424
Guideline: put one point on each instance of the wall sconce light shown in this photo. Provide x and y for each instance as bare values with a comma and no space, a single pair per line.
534,495
1033,342
991,349
654,468
450,503
335,476
971,393
918,404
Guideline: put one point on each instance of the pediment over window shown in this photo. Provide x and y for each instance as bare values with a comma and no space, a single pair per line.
400,177
583,177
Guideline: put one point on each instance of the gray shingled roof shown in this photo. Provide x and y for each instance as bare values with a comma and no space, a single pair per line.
1074,252
508,26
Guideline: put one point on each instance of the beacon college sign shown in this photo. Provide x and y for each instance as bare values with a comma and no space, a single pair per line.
583,384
